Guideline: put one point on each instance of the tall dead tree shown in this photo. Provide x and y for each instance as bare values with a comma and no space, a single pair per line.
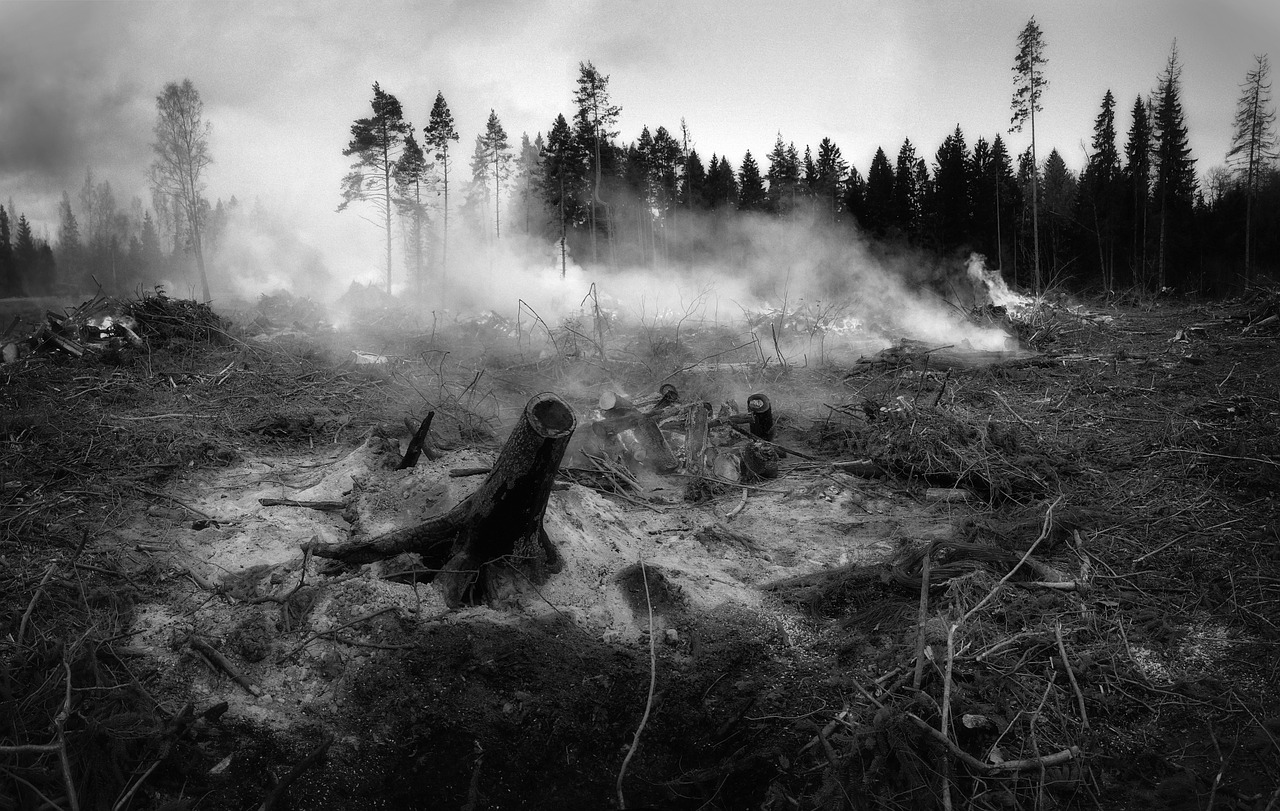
496,527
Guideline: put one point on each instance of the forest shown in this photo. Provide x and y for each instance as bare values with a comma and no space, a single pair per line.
1142,216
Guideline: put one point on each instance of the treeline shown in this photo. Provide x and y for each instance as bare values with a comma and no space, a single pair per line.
1136,216
103,244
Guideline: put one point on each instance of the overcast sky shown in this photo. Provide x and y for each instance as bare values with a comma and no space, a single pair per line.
282,82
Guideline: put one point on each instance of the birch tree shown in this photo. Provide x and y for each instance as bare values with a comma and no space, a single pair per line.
182,155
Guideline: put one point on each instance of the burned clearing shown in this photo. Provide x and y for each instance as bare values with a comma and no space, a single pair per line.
1043,575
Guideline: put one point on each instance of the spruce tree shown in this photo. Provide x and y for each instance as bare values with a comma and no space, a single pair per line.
830,173
1137,177
1175,174
783,176
375,144
693,184
9,283
952,205
1099,186
907,192
878,216
69,247
751,191
722,185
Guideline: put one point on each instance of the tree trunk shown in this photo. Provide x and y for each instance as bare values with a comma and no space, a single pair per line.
501,522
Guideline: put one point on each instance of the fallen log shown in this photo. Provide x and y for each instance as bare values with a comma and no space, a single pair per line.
500,522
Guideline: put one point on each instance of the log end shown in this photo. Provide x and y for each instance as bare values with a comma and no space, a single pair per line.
550,417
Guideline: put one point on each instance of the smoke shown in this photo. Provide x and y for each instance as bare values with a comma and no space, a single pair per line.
800,277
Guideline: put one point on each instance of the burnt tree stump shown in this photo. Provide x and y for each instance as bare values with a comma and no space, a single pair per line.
497,526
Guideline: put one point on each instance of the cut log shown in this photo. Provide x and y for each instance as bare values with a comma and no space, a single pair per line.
695,443
498,525
761,409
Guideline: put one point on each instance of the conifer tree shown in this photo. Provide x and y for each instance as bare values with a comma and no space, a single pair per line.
783,176
1029,84
24,257
376,143
69,247
562,182
1098,188
693,183
722,185
751,191
952,206
1253,144
594,120
1175,175
1059,193
1137,176
497,153
9,281
907,192
879,207
526,178
412,172
1006,200
829,174
436,137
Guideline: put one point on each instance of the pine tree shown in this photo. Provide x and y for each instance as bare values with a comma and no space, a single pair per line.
497,153
1253,144
751,191
376,143
593,121
1028,85
436,137
1175,174
527,174
879,214
1099,193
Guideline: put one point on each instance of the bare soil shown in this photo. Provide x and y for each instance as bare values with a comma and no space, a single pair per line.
1128,456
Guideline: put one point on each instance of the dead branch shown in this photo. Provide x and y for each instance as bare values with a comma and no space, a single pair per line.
216,657
323,506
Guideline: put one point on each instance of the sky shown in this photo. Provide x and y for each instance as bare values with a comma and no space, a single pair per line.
282,81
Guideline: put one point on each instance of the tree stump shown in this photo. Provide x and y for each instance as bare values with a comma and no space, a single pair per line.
497,526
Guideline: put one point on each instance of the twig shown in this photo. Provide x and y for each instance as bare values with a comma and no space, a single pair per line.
1000,397
791,451
217,658
951,632
653,681
922,617
742,505
362,618
417,444
60,725
277,793
1066,663
31,606
1214,455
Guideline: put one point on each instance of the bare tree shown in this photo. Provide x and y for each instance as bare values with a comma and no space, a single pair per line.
182,155
1253,144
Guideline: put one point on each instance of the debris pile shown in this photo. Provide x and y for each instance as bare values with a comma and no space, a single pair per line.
661,435
111,330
